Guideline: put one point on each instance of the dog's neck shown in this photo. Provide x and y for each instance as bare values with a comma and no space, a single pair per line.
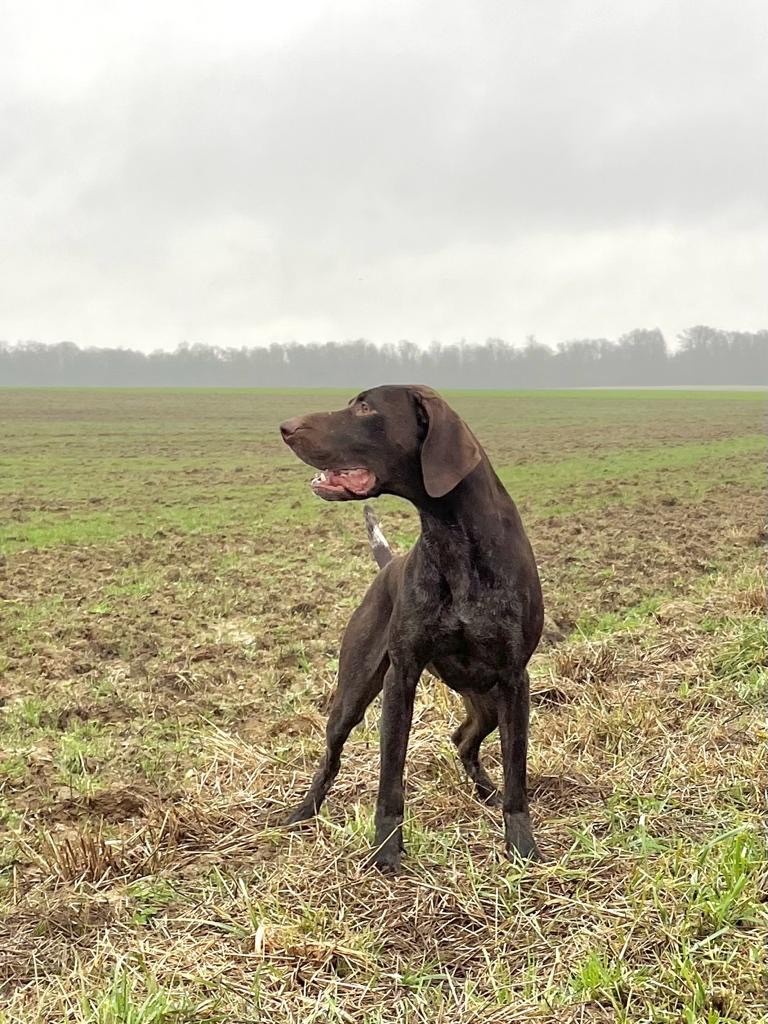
479,512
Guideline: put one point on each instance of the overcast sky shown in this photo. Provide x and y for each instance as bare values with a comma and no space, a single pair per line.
244,172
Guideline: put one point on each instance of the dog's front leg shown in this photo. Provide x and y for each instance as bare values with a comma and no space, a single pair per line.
397,713
513,726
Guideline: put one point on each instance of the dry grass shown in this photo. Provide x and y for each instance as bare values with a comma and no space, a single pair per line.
164,683
646,782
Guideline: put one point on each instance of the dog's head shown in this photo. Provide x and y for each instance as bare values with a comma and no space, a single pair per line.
395,439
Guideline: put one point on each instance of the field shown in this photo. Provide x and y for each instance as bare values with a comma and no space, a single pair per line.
172,598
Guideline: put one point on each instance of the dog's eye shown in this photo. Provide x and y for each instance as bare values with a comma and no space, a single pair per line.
362,408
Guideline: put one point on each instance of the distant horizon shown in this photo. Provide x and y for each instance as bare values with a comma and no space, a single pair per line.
672,342
706,355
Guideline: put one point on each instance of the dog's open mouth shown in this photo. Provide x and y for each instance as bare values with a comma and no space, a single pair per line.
342,484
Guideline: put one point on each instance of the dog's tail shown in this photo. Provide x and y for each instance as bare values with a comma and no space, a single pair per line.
382,552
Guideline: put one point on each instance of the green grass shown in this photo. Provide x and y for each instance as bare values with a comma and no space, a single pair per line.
171,601
203,461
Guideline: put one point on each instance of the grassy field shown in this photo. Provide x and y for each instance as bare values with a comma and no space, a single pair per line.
172,598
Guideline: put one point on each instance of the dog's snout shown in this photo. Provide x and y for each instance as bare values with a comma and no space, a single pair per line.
289,427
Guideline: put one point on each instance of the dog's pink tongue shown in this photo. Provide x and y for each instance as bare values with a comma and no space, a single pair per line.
356,480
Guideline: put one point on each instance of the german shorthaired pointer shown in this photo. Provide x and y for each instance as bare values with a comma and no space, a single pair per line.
465,602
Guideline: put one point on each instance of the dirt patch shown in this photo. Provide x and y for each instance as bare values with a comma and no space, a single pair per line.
562,794
72,714
625,554
111,805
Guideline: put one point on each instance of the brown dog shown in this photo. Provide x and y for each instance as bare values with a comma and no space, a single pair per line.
465,601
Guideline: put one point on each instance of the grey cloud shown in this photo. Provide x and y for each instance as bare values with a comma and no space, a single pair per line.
317,183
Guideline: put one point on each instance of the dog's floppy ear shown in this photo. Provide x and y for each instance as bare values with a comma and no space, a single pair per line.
450,450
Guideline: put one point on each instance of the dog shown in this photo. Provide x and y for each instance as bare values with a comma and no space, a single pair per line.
465,602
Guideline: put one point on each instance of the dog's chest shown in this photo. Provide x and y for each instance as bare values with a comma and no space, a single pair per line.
472,647
466,620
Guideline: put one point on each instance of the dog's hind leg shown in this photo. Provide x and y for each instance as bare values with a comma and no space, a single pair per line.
482,718
363,662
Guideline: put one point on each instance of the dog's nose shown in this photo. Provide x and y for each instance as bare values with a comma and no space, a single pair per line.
289,428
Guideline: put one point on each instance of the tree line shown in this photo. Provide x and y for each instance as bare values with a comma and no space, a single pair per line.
703,355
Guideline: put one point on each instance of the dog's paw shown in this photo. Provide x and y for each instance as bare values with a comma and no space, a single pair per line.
388,863
387,856
519,841
526,852
301,813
